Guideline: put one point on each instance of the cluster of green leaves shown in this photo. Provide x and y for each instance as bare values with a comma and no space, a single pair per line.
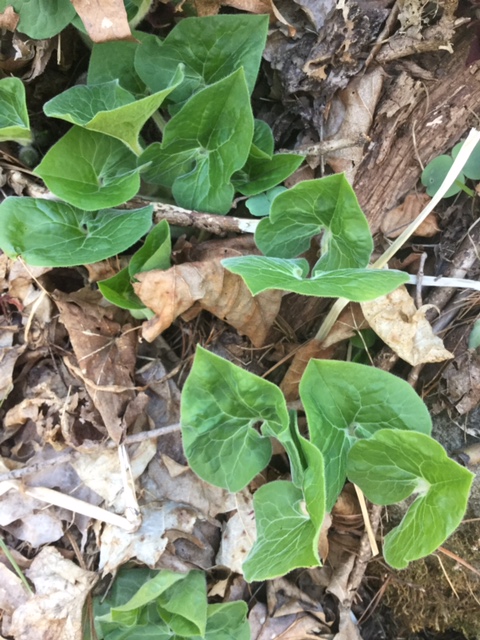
364,424
166,606
436,171
202,74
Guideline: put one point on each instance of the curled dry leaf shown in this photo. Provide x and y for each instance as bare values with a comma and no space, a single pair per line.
463,381
396,220
397,321
55,611
104,20
349,322
105,350
359,101
174,291
9,19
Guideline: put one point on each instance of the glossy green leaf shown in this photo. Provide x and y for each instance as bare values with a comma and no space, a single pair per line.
263,143
183,606
221,406
474,337
471,168
115,61
155,254
287,537
435,173
261,174
47,233
261,273
90,170
261,205
211,48
393,465
150,591
290,541
119,291
203,145
14,122
345,401
307,208
109,109
41,19
227,621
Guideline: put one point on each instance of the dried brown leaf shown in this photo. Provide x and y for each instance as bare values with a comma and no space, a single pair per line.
9,19
104,20
172,292
396,220
463,381
404,328
359,101
55,611
349,322
105,350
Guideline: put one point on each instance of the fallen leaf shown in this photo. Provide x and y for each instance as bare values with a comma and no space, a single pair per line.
359,100
349,322
9,354
174,291
148,543
13,593
105,349
396,220
55,611
9,19
104,20
463,381
239,534
404,328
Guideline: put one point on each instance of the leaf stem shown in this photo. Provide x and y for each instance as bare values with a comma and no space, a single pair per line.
160,121
14,564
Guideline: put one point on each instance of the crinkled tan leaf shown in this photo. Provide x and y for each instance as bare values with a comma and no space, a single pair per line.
104,20
174,291
397,220
55,611
105,350
397,321
349,322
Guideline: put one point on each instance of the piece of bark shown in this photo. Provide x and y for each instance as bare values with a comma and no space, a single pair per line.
424,125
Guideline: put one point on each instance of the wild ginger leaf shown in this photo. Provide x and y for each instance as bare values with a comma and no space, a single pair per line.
345,401
109,109
155,254
393,465
115,61
221,407
262,273
226,621
183,606
90,170
14,122
287,536
203,145
211,48
259,174
41,19
47,233
310,206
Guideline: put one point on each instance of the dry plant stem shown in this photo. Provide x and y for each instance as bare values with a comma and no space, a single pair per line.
364,553
218,225
327,146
